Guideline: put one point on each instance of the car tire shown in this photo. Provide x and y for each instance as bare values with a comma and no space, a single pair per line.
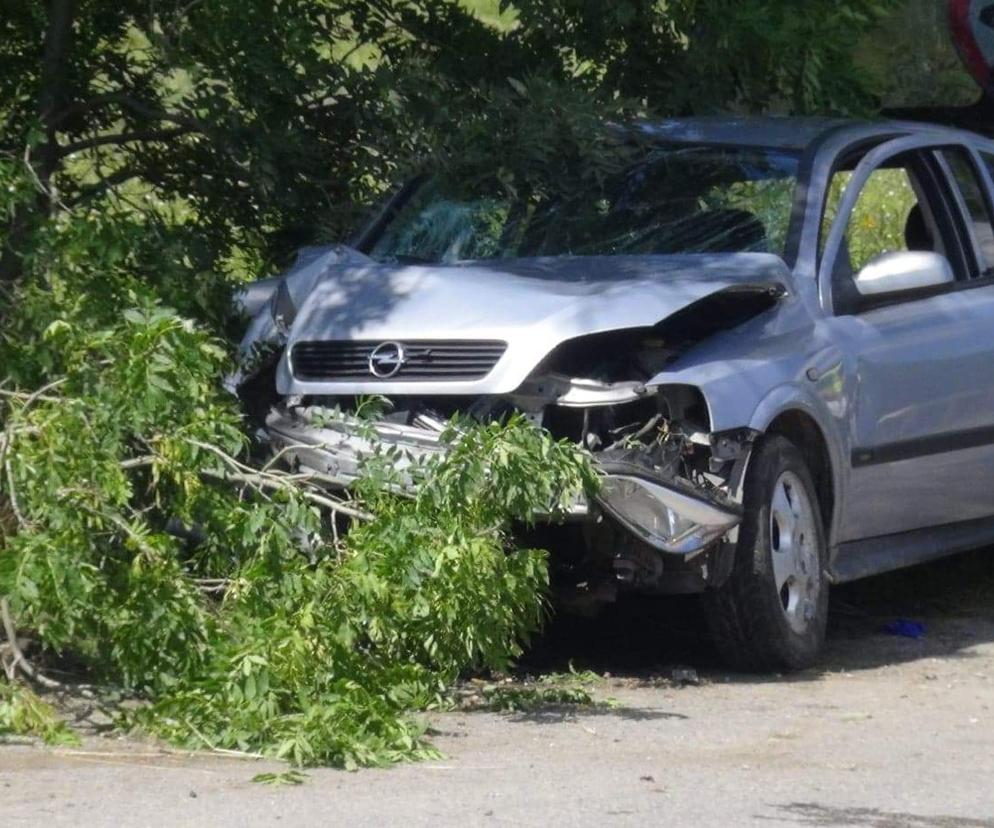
771,612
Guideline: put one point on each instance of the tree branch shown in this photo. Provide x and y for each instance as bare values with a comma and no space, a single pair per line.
106,183
275,484
138,462
273,481
20,660
22,521
125,138
29,400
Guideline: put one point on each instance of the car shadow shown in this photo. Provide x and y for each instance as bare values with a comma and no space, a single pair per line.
651,638
557,714
807,813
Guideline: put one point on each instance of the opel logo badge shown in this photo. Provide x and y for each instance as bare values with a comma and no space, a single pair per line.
386,359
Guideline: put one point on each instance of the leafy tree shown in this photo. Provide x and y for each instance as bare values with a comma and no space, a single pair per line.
910,58
239,121
151,153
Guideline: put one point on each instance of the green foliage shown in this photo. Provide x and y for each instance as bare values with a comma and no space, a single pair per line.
777,55
269,635
290,777
910,59
510,699
548,139
22,713
90,552
320,661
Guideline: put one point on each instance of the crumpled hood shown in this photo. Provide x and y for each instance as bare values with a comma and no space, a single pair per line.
531,304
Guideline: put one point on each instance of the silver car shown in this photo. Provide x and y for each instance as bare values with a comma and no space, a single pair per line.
775,337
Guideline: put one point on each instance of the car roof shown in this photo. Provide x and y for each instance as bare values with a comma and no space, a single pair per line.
786,132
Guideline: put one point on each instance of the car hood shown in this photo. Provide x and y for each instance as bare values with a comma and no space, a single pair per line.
531,304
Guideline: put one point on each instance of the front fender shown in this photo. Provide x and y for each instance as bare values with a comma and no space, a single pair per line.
784,362
795,397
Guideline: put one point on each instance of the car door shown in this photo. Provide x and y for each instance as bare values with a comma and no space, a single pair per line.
921,418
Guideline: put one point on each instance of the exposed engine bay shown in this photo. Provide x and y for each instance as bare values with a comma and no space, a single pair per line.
668,507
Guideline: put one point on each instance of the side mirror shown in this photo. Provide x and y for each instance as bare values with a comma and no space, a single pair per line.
903,270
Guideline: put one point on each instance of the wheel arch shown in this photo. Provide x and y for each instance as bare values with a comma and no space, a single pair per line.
798,426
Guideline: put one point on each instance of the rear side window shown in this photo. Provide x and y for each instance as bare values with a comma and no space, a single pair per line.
965,173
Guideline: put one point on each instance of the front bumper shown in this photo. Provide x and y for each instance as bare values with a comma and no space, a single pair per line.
667,515
338,447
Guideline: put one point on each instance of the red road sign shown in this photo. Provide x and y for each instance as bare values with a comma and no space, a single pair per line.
972,26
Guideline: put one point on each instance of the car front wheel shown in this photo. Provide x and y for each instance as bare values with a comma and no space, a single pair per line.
772,611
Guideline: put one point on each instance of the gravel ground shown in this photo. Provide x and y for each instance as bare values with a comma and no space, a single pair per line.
888,732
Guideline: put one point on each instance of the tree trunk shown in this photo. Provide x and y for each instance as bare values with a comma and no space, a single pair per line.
52,93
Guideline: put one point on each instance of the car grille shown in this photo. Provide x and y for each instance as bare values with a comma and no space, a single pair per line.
442,359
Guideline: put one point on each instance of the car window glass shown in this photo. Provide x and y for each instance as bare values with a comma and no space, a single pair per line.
965,175
447,230
879,220
674,199
767,200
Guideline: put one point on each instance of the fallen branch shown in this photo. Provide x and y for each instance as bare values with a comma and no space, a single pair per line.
29,400
20,660
40,394
273,480
287,449
226,458
138,462
29,397
631,438
273,483
22,521
209,585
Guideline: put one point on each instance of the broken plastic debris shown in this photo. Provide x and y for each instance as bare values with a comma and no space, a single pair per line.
685,675
905,628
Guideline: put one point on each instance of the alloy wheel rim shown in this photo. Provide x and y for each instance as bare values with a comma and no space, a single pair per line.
794,551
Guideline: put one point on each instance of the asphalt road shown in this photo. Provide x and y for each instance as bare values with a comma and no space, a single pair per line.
890,733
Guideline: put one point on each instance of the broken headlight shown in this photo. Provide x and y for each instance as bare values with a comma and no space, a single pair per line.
665,518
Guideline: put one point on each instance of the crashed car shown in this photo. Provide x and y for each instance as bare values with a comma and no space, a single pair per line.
774,336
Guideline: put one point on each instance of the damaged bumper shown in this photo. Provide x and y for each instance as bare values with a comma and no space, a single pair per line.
668,515
337,448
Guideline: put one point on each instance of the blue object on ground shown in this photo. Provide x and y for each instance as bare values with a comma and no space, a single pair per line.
905,628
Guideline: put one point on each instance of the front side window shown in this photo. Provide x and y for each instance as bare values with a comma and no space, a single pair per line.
886,218
901,207
677,199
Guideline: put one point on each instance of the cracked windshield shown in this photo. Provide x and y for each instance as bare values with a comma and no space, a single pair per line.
694,199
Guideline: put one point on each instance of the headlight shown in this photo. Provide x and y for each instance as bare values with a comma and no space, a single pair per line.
665,518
